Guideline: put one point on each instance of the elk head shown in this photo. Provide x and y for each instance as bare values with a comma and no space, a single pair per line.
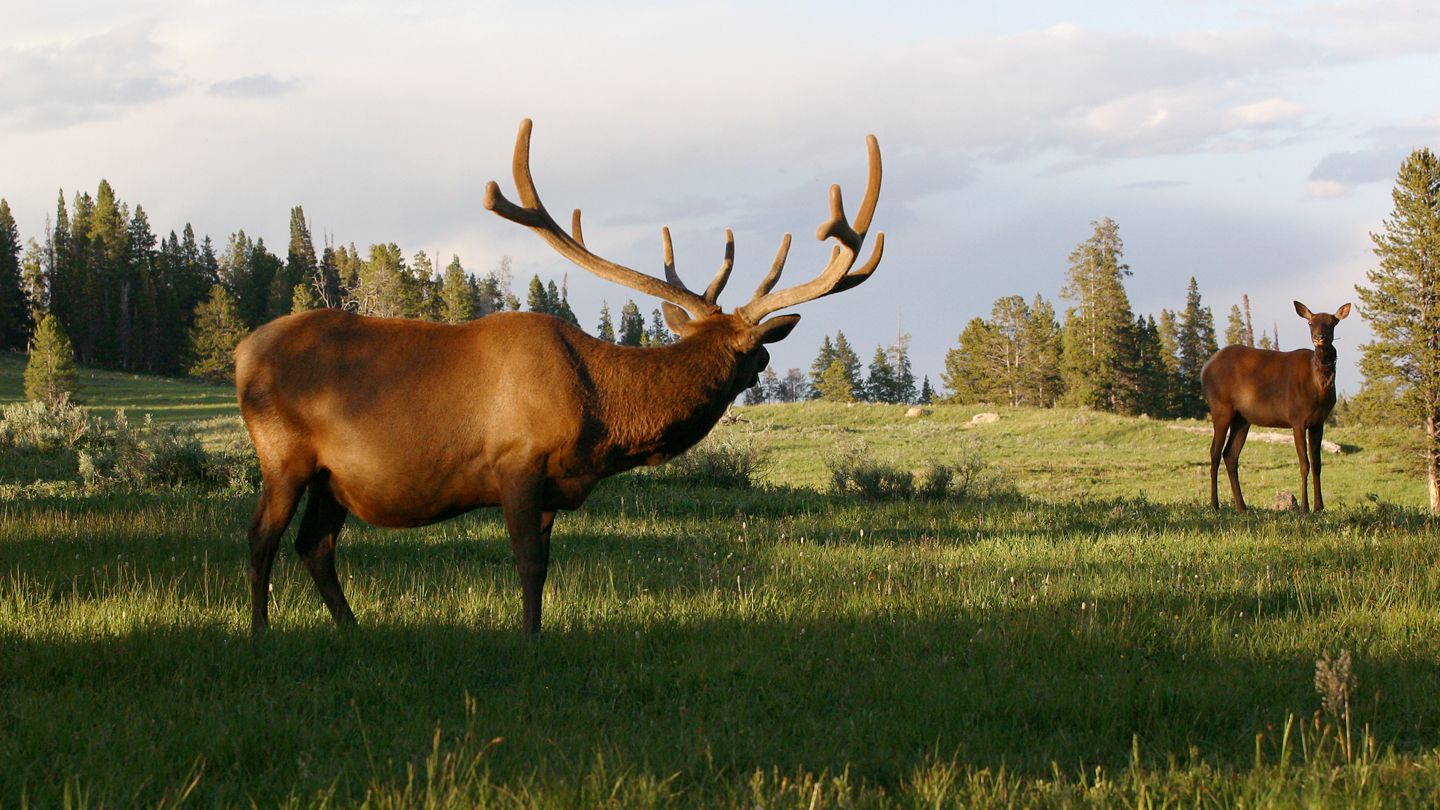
692,315
1322,324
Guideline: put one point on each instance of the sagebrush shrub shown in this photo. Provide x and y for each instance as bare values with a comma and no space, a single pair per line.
728,462
853,473
159,457
43,426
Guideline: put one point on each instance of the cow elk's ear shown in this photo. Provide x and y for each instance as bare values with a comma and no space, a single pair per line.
1342,312
676,318
775,329
1303,311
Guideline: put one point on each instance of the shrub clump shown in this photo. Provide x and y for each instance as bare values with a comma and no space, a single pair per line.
853,473
44,425
115,454
729,462
159,457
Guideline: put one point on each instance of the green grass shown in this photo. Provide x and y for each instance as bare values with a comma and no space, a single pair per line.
1074,455
1073,645
166,399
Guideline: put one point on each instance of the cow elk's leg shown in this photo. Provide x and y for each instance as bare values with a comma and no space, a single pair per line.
315,543
1316,435
1239,429
1300,451
1221,424
529,527
278,497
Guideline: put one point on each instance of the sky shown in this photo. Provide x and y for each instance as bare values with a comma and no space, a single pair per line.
1251,145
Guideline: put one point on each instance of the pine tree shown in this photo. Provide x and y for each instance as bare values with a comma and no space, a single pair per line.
658,334
1152,380
820,366
560,299
632,325
1045,343
1098,338
457,300
927,394
217,330
1235,327
422,286
382,285
50,373
879,385
538,298
108,333
605,330
140,304
1402,304
1249,326
301,266
303,298
837,383
850,360
15,325
327,284
968,372
1195,346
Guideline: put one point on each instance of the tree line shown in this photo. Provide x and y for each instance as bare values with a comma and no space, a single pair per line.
124,298
1102,356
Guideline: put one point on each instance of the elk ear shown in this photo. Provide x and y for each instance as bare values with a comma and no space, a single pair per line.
1342,312
676,318
775,329
1303,311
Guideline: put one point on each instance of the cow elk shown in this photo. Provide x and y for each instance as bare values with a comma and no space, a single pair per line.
405,423
1246,386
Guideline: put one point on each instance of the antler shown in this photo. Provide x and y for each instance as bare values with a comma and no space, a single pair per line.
837,275
532,214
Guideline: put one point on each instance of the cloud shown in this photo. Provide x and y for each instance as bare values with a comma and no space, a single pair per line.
1338,172
255,86
60,84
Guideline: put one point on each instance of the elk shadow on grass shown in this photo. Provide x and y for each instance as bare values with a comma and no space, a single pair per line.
307,709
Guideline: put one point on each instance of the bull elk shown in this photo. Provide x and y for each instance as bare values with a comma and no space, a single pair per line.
1246,386
406,423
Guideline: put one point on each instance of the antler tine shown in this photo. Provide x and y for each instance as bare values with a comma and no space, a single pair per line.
855,277
532,214
670,274
717,284
575,230
837,275
773,276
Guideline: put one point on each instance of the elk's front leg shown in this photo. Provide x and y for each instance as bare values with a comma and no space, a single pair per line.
1304,468
529,526
1316,435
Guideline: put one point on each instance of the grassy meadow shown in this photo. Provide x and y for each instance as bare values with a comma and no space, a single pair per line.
1082,630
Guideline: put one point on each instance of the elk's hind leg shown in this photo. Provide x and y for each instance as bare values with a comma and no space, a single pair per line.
279,494
1234,443
315,543
1220,422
